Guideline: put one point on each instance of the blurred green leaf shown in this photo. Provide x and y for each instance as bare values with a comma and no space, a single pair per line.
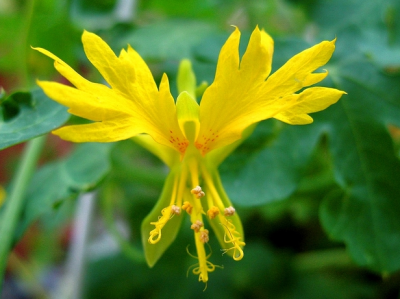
58,181
27,115
172,39
101,14
371,27
365,214
271,168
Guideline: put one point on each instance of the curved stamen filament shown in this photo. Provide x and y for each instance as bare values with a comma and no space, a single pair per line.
155,234
203,266
232,236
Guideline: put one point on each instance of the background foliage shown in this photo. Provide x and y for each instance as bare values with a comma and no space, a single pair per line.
320,203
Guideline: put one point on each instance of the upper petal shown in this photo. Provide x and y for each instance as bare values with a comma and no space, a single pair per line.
297,72
133,92
240,96
232,94
311,100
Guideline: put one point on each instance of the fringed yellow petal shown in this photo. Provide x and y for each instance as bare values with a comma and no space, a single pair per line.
296,73
98,106
166,154
257,60
133,92
230,99
161,119
129,75
108,131
118,72
240,97
66,71
310,100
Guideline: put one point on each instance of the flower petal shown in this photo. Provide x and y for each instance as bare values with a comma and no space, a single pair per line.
230,96
107,131
133,92
66,71
119,72
310,100
296,73
98,105
241,97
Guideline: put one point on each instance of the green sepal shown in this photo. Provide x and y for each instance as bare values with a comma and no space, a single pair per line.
215,223
188,113
153,252
201,89
186,78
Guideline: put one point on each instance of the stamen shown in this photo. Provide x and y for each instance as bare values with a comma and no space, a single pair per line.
229,211
155,234
234,238
197,225
197,192
204,238
203,266
187,207
175,210
213,212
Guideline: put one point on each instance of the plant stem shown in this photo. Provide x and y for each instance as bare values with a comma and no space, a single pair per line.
23,46
14,202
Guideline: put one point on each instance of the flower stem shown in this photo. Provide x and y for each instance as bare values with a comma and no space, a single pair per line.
14,202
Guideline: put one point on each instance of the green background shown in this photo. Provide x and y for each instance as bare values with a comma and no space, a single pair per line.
320,203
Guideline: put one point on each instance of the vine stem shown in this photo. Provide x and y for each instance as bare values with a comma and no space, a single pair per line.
14,202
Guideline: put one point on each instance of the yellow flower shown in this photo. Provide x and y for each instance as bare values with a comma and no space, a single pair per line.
191,139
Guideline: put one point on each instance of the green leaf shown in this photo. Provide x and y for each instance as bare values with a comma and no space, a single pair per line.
172,39
58,181
27,115
273,169
365,214
371,27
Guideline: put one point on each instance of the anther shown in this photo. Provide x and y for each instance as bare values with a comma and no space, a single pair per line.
187,207
197,225
213,212
175,210
229,211
197,192
204,238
